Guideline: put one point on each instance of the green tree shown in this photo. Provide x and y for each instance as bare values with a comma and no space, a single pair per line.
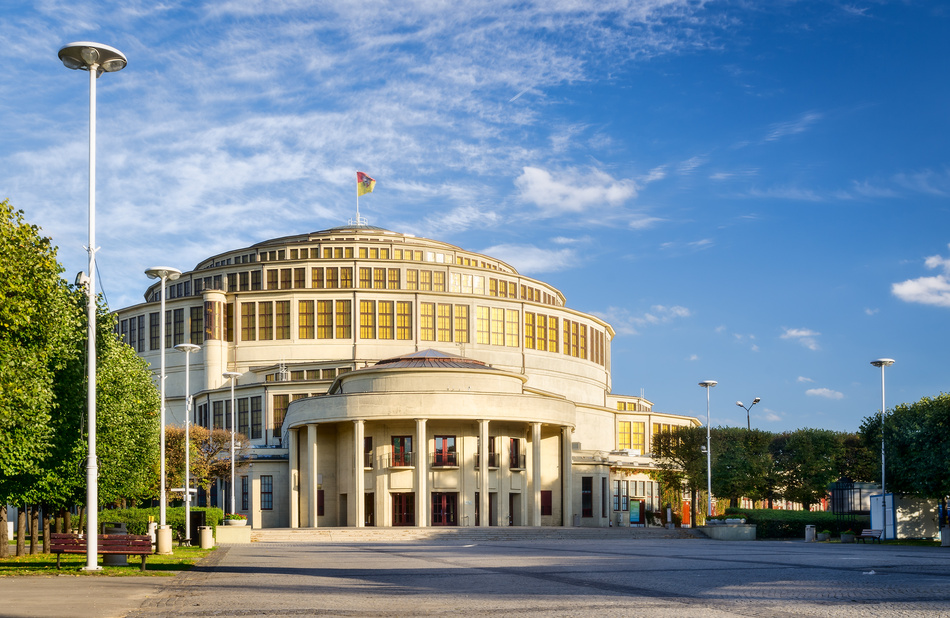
209,455
810,461
916,447
679,456
741,463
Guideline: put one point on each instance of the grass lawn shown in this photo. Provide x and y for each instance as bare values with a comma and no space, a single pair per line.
182,559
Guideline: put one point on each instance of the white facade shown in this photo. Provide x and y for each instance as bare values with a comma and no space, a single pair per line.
473,353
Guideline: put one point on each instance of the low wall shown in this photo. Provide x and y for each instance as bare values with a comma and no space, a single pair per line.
729,532
232,535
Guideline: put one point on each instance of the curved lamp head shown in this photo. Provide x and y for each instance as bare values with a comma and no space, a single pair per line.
231,374
708,383
157,272
187,347
883,362
85,55
756,400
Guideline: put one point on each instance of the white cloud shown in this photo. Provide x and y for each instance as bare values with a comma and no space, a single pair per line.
693,357
626,323
571,190
827,393
529,259
803,336
869,311
927,290
792,127
643,223
771,416
804,379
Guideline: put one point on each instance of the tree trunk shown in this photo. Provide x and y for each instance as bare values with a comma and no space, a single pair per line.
4,541
692,506
48,522
67,520
34,529
20,531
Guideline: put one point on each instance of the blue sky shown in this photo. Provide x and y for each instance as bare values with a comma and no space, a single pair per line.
751,192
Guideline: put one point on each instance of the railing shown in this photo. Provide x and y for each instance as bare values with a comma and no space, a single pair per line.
517,461
367,460
443,459
402,459
492,460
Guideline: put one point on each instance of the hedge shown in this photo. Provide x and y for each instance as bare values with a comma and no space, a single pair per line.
136,520
773,524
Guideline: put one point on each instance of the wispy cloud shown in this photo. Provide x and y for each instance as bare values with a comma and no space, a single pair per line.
627,323
804,379
933,290
804,336
529,259
572,190
801,124
826,393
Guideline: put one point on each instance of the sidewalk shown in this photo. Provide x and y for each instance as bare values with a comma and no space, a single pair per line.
70,596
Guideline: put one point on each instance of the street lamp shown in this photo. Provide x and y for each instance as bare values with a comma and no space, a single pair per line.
187,348
96,59
708,384
882,363
165,273
232,375
748,422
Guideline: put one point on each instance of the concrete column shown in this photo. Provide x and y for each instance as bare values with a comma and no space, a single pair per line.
215,348
535,508
312,477
294,476
255,487
422,474
567,482
483,514
358,477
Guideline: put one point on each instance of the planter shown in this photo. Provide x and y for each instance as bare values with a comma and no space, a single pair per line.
823,536
847,538
242,522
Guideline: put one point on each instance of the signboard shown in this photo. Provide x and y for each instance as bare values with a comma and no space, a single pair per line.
637,514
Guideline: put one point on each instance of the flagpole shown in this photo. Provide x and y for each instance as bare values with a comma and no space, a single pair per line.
357,198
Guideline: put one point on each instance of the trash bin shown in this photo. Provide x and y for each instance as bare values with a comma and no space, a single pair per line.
198,521
205,537
809,534
113,527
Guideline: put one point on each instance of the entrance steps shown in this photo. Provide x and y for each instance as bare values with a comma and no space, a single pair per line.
460,535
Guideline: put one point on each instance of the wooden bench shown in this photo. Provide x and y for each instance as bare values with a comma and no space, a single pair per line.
128,544
874,535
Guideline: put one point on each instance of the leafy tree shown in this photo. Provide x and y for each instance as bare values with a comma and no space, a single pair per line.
741,463
860,461
810,461
679,456
916,447
209,455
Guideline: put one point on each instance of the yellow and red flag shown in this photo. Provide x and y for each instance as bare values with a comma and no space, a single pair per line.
364,184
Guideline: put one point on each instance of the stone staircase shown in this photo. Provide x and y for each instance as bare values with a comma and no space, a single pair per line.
460,535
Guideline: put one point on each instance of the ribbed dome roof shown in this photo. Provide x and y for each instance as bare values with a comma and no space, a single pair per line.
432,359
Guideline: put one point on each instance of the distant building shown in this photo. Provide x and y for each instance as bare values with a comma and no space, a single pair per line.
390,380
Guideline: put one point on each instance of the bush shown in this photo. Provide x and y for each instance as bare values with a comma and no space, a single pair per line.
772,524
136,520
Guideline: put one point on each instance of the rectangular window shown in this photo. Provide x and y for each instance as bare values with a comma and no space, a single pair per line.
623,437
603,497
129,334
587,496
516,455
346,278
248,322
256,418
438,281
482,329
616,495
386,319
412,279
582,341
547,502
425,280
242,410
344,319
366,278
455,283
379,278
282,319
316,278
332,278
367,319
320,502
444,322
272,279
286,278
493,287
552,333
280,411
179,330
229,322
265,313
244,496
305,323
445,454
197,325
404,320
541,332
528,330
141,321
300,278
244,281
324,319
393,274
217,408
255,280
461,324
154,330
427,321
402,451
638,437
267,492
232,282
497,326
368,452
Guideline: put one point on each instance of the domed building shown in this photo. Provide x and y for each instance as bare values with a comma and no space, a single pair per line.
389,380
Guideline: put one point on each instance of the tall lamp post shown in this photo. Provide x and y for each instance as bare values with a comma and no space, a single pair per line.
882,363
96,59
165,273
188,349
232,375
748,421
708,384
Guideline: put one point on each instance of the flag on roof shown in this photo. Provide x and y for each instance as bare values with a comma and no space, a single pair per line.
364,184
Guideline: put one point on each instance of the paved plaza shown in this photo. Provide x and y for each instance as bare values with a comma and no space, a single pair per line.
629,577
